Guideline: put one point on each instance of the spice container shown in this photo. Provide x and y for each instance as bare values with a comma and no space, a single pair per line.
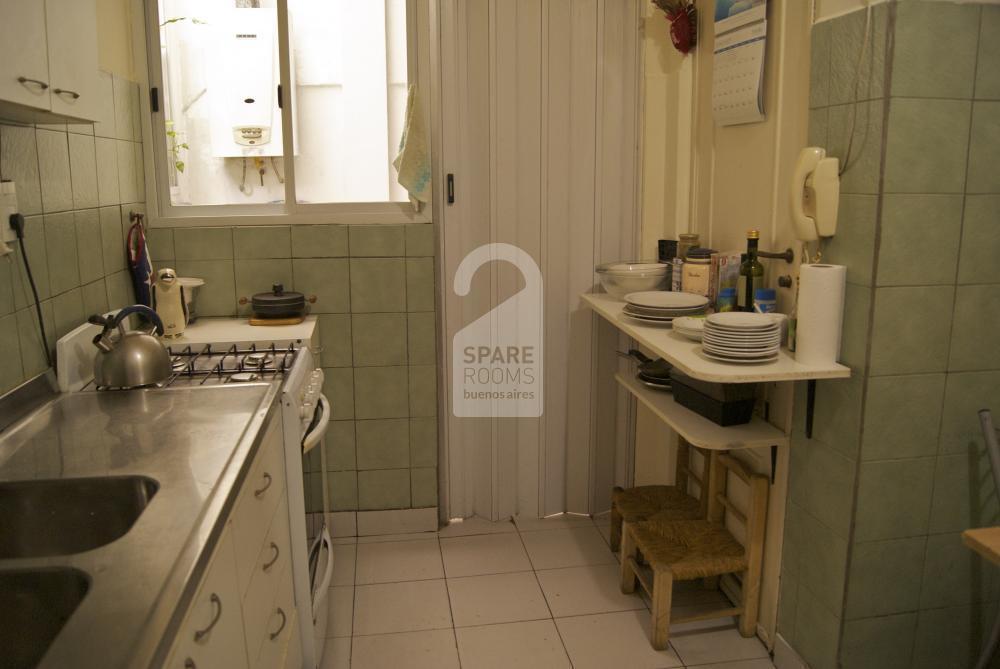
687,241
697,271
726,300
765,300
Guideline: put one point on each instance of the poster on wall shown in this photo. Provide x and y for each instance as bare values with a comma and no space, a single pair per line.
738,72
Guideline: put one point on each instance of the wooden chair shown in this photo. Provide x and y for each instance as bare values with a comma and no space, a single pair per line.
681,550
633,505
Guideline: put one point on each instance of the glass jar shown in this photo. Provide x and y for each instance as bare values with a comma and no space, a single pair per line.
697,274
686,242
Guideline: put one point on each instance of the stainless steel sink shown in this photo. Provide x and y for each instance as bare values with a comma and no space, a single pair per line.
36,605
66,516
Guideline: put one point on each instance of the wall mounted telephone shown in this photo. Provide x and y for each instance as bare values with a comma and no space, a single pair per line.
815,194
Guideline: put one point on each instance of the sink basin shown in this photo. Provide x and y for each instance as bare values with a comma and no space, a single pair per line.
36,604
65,516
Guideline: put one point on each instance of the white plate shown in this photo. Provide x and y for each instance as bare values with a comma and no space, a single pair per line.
767,353
743,320
742,341
666,299
740,361
726,343
655,322
650,311
669,315
690,323
687,334
755,350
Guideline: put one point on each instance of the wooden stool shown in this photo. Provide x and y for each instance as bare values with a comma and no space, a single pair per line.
637,504
684,550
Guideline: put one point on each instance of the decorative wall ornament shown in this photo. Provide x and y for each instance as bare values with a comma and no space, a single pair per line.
683,17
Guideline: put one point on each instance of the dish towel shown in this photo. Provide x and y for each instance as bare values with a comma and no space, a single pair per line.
413,164
140,264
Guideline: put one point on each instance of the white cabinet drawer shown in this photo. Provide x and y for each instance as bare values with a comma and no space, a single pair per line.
281,628
212,632
271,575
262,490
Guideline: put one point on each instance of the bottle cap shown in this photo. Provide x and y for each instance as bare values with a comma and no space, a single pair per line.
765,294
753,234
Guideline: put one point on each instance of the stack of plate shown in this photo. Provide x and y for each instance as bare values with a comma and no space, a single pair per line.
742,338
658,307
692,327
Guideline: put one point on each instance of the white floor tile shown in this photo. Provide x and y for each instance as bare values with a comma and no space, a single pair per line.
498,598
578,591
714,641
396,561
484,554
613,640
344,556
561,522
430,649
407,536
341,619
476,525
745,664
337,654
401,607
603,525
526,645
553,549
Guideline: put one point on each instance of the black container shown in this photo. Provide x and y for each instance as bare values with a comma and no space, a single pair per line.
724,404
666,250
279,303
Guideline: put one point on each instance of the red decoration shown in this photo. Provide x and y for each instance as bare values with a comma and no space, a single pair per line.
683,19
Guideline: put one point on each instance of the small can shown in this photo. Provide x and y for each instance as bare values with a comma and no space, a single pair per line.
677,275
726,300
765,300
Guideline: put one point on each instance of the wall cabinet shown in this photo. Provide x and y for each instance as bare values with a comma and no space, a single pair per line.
247,589
49,55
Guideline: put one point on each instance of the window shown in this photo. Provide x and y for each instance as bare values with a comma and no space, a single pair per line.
229,88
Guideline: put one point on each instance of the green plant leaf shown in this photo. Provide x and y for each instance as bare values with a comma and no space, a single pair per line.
179,165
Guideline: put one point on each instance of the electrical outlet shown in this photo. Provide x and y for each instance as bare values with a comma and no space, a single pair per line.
8,207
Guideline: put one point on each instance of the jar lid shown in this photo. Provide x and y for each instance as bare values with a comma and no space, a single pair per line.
753,234
765,294
700,253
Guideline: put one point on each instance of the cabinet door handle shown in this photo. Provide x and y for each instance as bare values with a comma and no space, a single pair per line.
268,565
217,604
267,484
66,91
28,80
284,619
189,664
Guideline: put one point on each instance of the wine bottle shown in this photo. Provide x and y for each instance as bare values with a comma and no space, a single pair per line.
751,273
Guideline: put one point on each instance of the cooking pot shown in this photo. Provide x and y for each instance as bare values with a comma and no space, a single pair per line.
654,373
279,303
129,359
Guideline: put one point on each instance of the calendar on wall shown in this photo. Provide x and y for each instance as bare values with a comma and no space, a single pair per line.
738,69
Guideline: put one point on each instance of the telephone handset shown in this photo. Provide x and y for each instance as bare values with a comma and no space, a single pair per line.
815,194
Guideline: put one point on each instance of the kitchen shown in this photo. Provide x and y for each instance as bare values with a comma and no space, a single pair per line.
328,203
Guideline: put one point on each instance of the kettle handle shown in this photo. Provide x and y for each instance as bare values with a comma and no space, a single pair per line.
138,309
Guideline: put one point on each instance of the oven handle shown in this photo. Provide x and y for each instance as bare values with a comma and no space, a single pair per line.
320,425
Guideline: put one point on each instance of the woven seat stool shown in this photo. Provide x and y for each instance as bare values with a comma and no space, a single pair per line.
636,504
682,550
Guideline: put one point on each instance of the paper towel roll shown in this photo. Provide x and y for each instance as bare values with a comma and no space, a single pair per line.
820,313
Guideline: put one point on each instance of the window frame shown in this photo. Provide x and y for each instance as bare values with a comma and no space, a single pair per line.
291,212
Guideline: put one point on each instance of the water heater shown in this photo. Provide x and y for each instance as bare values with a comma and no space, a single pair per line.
243,83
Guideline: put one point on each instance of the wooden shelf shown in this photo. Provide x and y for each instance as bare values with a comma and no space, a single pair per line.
698,430
687,356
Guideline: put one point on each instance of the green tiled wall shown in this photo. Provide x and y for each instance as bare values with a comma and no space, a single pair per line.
374,288
874,572
76,185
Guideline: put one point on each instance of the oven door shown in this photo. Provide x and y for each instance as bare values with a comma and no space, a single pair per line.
317,426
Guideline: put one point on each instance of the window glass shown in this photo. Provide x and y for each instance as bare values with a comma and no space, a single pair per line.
350,88
219,98
223,126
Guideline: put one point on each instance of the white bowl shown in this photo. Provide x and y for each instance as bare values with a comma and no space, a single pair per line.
621,278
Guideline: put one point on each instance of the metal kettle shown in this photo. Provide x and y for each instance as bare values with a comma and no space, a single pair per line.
129,359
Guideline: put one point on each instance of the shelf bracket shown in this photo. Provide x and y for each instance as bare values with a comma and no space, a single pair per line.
810,406
774,462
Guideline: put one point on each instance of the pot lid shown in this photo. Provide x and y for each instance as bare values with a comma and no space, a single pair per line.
279,297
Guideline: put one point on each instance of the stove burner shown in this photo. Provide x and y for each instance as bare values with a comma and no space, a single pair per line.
256,360
244,377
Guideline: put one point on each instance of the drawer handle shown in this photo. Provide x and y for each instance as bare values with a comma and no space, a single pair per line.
217,604
268,565
284,619
66,91
267,484
189,664
27,80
